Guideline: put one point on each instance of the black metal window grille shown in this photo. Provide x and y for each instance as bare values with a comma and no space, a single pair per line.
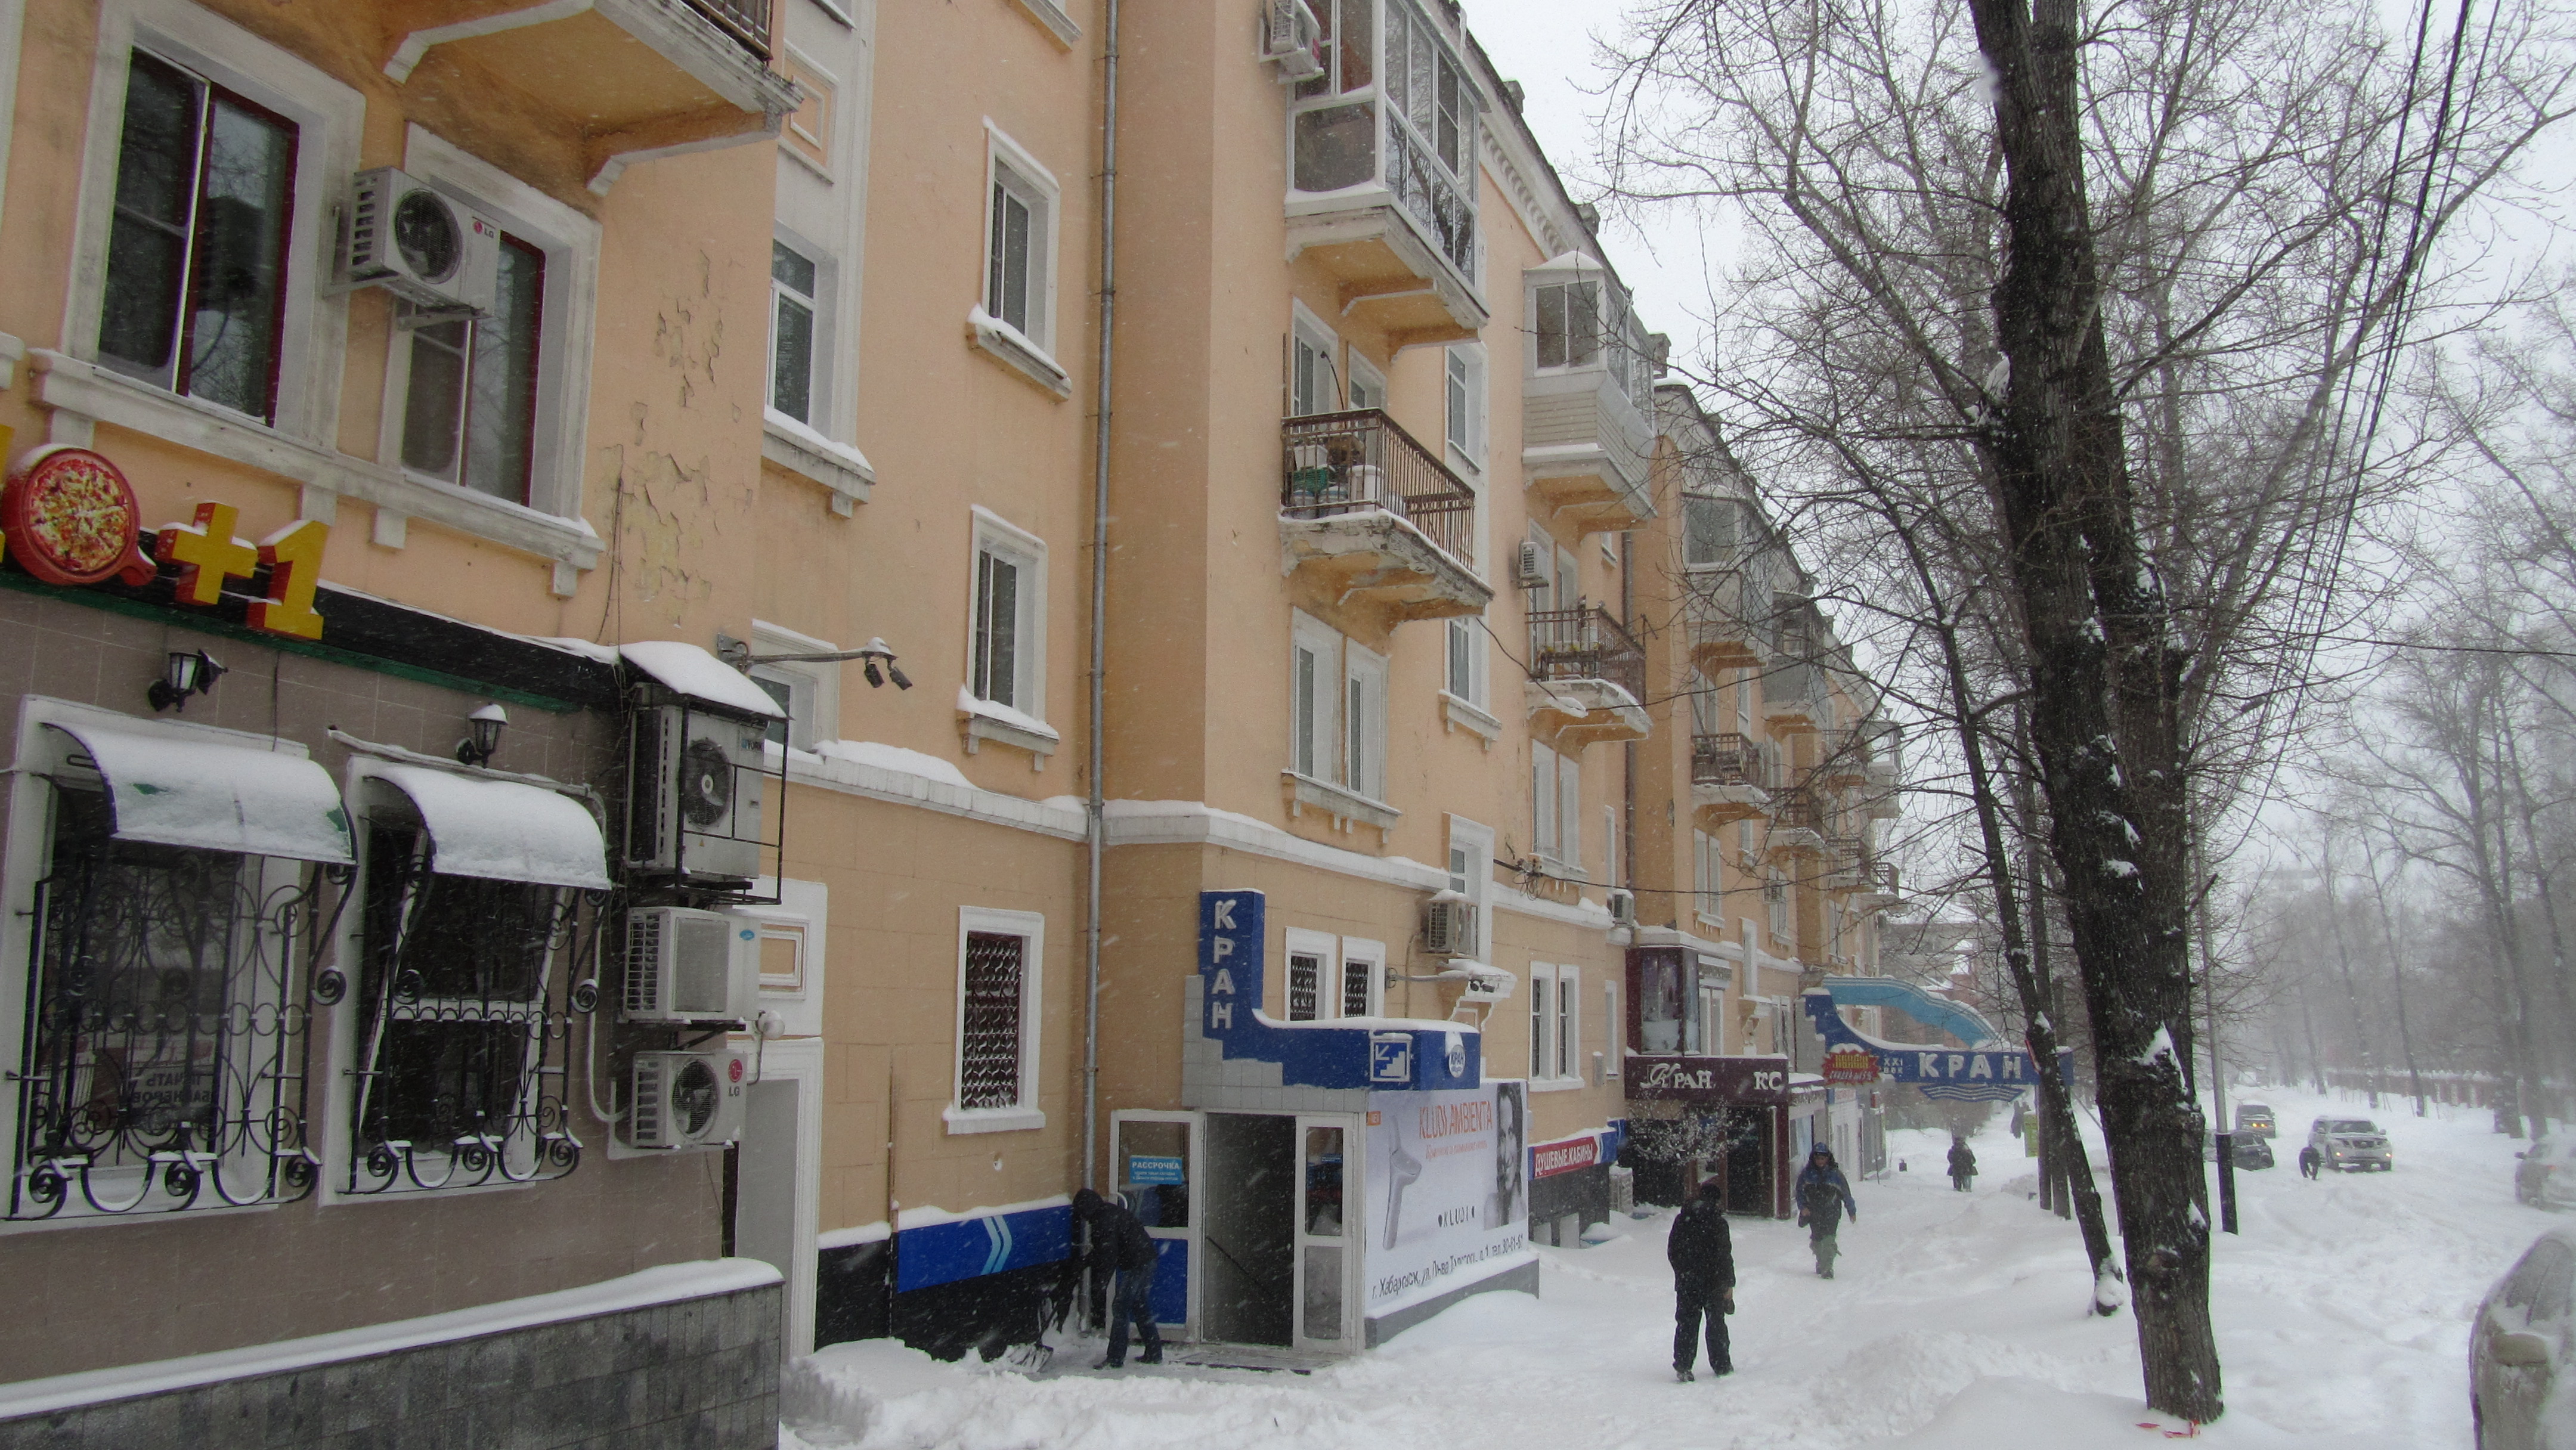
461,1080
1355,988
988,1070
1305,986
163,1064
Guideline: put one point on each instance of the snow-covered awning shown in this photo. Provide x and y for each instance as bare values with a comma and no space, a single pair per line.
217,797
501,830
688,670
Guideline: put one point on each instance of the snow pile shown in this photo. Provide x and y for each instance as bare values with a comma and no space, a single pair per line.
1956,1321
895,758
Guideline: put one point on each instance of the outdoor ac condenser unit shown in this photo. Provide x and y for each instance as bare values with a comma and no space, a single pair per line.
420,244
1449,928
687,1099
1289,39
1623,907
697,785
684,965
1532,571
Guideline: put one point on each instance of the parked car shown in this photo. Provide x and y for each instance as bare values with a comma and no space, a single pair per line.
2546,1176
2255,1120
2518,1346
2350,1144
2248,1152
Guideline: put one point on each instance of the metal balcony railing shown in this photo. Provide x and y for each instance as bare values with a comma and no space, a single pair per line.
1584,643
1730,759
1798,811
747,21
1339,463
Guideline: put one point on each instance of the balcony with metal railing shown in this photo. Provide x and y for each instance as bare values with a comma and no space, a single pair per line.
629,78
1798,823
1732,777
1376,517
1382,134
1587,676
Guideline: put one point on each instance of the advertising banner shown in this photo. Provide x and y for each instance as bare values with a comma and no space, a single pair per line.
1567,1155
1449,1180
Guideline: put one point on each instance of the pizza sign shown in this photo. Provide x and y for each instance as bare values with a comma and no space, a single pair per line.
71,519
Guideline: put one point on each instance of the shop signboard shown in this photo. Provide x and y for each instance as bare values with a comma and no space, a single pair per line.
1851,1064
1567,1155
1689,1078
1449,1190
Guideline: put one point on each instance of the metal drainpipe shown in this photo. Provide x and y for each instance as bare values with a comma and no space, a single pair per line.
1095,819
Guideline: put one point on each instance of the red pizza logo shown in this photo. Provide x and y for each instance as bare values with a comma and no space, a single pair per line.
71,519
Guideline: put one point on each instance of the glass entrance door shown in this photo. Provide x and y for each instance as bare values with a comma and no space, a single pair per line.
1327,1231
1154,1161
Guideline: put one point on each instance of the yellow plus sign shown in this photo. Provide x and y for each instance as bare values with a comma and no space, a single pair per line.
207,553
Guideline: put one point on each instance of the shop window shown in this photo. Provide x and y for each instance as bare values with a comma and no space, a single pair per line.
195,295
158,1053
999,957
458,993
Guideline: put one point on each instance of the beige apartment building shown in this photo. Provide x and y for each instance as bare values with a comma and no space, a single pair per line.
1321,889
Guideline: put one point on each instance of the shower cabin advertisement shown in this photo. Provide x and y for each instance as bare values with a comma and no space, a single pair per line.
1448,1176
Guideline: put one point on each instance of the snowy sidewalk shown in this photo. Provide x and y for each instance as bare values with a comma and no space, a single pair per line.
1954,1322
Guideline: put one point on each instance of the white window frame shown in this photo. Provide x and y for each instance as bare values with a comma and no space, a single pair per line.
1569,1025
1612,1027
570,244
1030,350
1462,642
1544,800
1326,949
1361,954
1363,378
1610,844
1784,921
1463,393
1364,676
998,536
820,348
1542,1024
1030,926
1308,333
814,689
1476,843
1320,729
1569,811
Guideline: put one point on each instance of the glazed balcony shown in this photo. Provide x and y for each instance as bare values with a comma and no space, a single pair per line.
1376,518
1877,889
1731,778
1794,699
1382,174
1585,441
1587,677
627,79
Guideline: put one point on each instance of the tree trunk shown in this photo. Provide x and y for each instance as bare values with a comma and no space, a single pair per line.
2101,719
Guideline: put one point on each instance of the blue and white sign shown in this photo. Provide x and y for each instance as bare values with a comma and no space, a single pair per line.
1147,1171
1970,1074
1434,1056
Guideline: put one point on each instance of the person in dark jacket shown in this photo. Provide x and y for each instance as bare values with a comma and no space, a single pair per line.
1119,1243
1963,1163
2310,1161
1702,1253
1824,1196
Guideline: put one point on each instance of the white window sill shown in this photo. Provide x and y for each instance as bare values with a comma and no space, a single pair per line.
992,1120
1052,16
1475,717
1346,806
82,394
1013,346
1556,1084
809,455
982,720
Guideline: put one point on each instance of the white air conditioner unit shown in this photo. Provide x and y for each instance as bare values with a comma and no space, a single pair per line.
695,805
1531,572
420,244
1623,907
1449,928
687,1099
684,965
1291,39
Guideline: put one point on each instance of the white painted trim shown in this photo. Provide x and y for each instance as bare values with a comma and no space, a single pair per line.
799,1060
13,54
1015,349
329,117
989,532
1192,823
1586,913
1060,816
1058,24
1370,954
822,677
415,46
1327,949
1030,927
1000,152
838,467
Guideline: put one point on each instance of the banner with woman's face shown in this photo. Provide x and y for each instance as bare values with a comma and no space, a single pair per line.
1448,1189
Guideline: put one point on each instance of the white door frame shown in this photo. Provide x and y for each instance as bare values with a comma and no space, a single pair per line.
1348,1242
799,1060
1187,1329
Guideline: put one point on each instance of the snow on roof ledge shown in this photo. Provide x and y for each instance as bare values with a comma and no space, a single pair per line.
667,1284
688,670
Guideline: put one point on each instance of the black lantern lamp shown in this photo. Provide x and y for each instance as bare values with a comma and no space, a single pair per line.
486,723
185,673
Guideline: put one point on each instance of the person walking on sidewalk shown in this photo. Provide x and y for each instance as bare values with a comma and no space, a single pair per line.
1963,1163
1119,1243
1824,1196
1702,1252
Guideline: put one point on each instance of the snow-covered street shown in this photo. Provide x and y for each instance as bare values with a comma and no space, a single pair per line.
1956,1321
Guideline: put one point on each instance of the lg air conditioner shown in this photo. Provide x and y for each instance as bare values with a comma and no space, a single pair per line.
686,1099
1292,40
420,244
695,809
1449,928
1531,572
684,965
